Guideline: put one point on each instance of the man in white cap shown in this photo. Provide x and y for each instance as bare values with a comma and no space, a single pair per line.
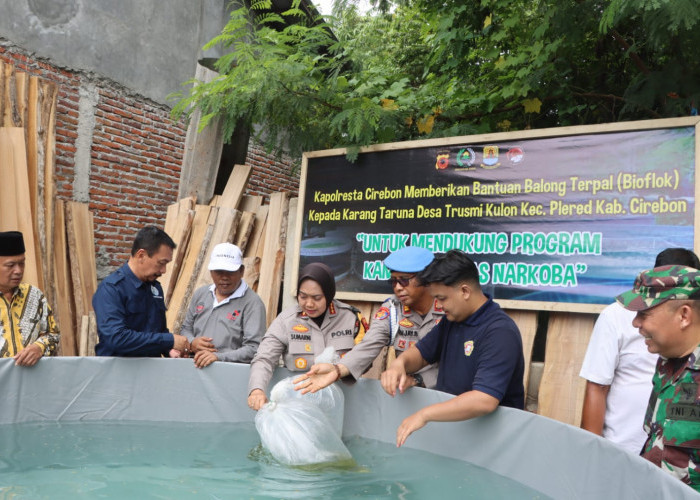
27,327
226,320
400,322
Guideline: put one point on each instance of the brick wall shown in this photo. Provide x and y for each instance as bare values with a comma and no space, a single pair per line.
135,155
270,175
136,158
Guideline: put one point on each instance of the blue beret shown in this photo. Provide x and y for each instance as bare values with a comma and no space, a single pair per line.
409,260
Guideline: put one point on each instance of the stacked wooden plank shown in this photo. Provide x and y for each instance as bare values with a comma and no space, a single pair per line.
229,217
58,236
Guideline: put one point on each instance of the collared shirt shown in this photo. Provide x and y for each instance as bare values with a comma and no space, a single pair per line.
130,316
27,319
236,324
237,293
618,357
298,339
673,418
483,353
397,322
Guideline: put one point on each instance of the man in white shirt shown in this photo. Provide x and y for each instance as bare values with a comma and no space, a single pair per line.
618,370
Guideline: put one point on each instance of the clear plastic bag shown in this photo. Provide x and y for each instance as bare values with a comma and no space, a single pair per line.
304,429
296,432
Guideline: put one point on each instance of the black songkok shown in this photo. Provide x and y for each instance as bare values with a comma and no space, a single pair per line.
11,243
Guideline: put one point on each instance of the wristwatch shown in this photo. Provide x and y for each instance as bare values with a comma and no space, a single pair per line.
419,379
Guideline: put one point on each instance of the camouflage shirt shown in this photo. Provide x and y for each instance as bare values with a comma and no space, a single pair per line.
673,418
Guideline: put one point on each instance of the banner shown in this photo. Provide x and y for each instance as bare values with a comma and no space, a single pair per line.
569,219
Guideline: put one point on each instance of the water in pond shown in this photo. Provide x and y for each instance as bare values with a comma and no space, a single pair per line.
166,460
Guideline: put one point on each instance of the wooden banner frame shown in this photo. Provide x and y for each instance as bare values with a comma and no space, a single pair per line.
576,307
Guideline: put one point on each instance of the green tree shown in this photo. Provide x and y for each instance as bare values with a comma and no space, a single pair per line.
418,68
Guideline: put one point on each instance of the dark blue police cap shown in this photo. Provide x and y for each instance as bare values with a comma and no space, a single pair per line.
409,260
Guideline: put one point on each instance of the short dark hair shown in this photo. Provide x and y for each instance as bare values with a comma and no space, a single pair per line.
150,239
449,269
677,257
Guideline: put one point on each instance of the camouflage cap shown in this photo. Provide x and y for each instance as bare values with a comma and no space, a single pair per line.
656,286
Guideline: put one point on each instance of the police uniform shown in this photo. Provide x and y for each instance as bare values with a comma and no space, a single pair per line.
299,340
399,326
673,418
130,316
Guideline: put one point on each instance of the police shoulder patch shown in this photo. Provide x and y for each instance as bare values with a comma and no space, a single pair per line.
382,313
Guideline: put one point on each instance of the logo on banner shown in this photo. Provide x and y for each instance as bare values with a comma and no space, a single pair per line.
490,159
468,347
466,158
515,155
442,161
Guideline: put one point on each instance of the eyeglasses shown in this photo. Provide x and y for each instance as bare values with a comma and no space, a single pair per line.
403,281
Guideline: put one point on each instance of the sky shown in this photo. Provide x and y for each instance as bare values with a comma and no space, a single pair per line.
326,6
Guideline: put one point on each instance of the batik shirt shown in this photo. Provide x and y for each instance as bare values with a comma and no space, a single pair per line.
27,319
673,418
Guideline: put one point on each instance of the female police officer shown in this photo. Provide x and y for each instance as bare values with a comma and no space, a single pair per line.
302,332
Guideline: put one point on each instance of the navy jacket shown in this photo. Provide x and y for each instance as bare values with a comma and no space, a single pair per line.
130,316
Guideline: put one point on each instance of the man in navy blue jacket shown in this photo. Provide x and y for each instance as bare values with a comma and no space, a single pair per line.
129,303
478,346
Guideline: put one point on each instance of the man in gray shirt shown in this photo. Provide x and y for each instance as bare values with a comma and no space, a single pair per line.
226,320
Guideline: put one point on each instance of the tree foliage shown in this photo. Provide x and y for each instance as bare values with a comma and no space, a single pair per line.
418,68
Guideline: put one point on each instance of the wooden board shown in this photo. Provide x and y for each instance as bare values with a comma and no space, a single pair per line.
63,285
178,225
203,148
84,334
46,162
289,288
561,389
92,334
81,251
223,231
15,205
256,241
235,187
252,271
189,271
273,256
527,324
250,203
244,230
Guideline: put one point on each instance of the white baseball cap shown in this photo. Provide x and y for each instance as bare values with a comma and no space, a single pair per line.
226,257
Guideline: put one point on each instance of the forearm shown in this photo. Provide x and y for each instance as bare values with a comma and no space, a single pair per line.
594,406
468,405
243,354
410,361
260,374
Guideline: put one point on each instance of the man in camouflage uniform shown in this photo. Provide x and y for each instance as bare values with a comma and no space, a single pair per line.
667,302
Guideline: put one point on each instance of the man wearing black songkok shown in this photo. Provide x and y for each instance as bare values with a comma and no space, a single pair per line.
28,330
